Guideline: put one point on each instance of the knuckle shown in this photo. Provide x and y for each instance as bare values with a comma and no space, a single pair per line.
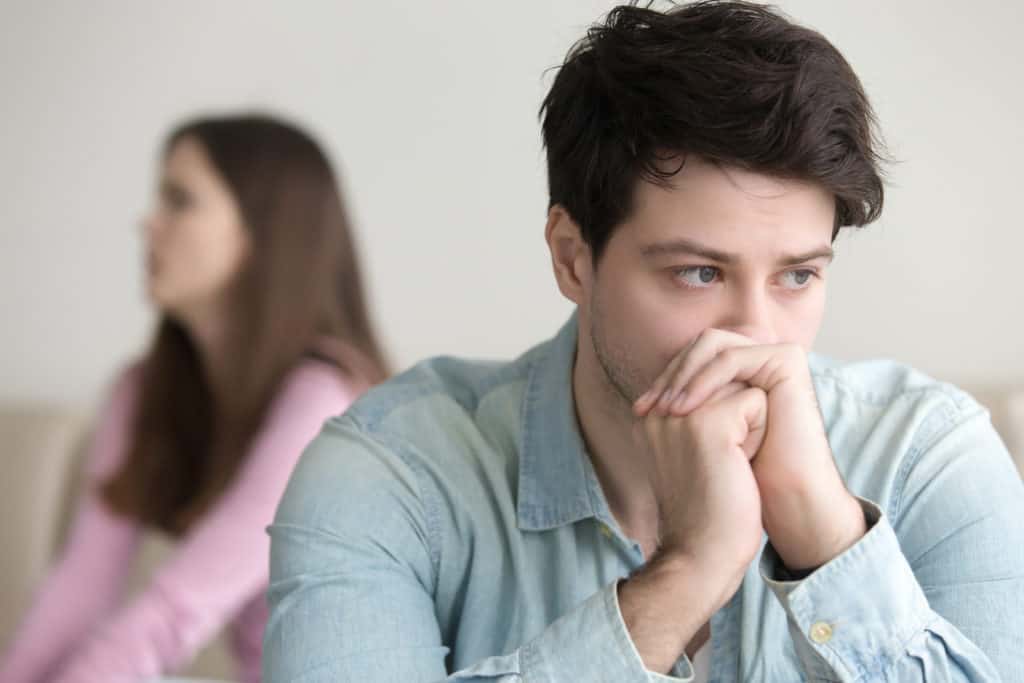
651,426
728,355
684,371
700,424
690,423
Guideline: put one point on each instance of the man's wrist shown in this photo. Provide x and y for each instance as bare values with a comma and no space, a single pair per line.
665,604
844,525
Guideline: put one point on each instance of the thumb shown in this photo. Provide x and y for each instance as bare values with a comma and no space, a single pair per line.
746,413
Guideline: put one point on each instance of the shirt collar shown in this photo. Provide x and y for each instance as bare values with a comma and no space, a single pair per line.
557,482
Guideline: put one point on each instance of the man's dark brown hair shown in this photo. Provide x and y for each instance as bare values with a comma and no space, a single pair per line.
736,83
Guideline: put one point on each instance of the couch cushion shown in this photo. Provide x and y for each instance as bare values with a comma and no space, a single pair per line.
40,443
1006,405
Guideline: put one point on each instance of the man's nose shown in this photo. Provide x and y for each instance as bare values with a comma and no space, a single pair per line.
750,314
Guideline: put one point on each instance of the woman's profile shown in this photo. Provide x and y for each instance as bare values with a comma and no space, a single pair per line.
263,333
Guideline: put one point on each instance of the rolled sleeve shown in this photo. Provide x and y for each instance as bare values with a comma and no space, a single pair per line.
862,615
592,643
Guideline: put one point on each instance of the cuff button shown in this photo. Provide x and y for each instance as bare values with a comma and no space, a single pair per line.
821,632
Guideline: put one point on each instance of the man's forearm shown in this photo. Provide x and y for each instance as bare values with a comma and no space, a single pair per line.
665,604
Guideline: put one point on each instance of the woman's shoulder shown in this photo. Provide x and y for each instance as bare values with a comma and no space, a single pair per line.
113,420
316,385
311,393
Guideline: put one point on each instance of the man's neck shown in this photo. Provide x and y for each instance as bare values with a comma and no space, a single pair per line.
621,464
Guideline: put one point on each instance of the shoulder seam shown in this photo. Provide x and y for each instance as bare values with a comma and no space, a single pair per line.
943,389
955,418
401,447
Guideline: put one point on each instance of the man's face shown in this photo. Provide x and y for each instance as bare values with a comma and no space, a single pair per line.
722,248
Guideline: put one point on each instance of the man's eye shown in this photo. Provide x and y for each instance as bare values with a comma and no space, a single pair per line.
797,279
697,276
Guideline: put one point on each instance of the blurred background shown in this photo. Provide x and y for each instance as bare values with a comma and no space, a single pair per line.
429,112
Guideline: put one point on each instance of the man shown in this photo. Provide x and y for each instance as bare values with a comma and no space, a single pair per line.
673,483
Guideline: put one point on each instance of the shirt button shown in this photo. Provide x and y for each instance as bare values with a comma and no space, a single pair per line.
821,632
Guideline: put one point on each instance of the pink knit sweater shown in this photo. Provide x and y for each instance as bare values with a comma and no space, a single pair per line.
80,629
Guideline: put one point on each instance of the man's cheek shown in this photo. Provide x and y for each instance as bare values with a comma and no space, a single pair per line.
680,343
664,357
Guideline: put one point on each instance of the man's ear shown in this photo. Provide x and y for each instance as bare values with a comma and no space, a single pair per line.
570,255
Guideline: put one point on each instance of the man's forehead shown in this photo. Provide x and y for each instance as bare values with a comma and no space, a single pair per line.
707,201
728,239
696,179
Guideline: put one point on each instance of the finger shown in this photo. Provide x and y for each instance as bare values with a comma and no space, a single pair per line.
758,366
641,439
646,401
709,344
651,432
746,415
667,388
699,348
730,389
712,342
755,437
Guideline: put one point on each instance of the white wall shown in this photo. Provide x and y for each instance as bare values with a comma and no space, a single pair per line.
429,110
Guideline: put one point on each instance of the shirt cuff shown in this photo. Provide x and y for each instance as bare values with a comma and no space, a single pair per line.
592,643
854,614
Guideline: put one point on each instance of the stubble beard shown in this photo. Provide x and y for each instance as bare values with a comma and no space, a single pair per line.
623,380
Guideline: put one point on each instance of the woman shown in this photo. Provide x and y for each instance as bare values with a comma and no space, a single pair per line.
263,335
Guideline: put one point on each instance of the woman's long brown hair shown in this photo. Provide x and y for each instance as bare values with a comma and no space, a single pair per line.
299,293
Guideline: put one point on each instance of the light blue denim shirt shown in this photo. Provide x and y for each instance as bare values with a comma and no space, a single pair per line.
450,527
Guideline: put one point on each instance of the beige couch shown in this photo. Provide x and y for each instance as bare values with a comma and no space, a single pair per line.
40,460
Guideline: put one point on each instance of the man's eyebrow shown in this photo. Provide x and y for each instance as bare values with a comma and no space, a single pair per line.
812,255
691,248
687,247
